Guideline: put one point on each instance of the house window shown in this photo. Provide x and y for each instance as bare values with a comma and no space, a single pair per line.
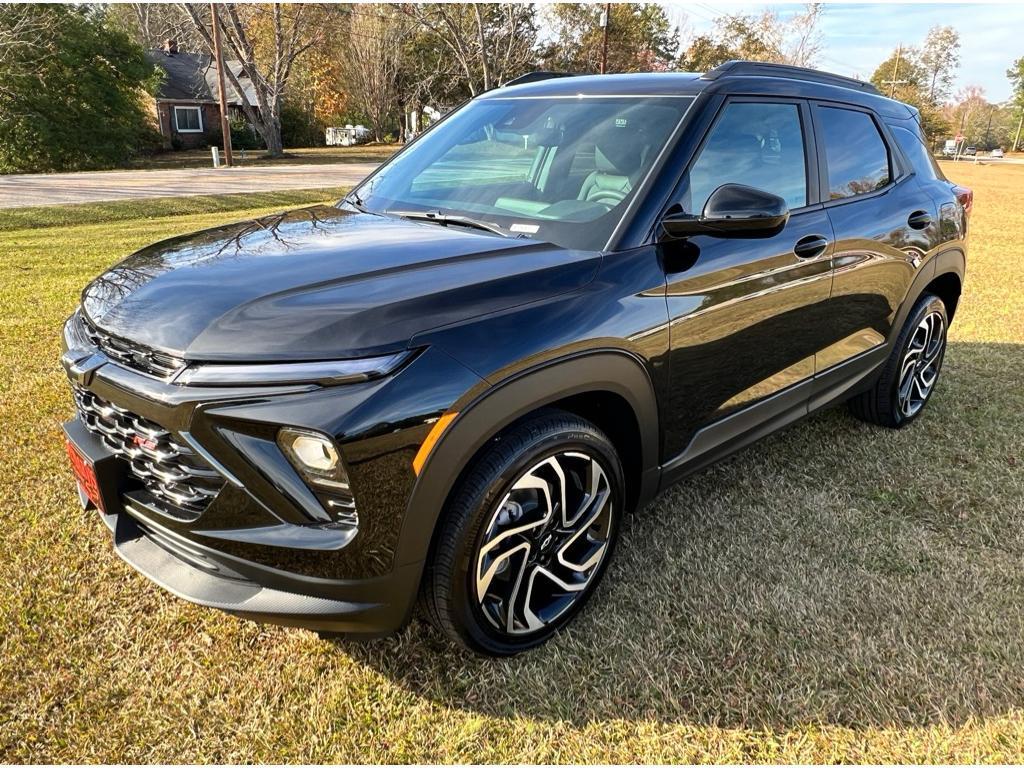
188,119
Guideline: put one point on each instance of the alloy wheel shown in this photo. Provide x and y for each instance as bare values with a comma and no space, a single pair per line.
544,543
921,362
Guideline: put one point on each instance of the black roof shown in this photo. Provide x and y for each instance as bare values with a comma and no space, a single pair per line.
734,77
185,75
192,77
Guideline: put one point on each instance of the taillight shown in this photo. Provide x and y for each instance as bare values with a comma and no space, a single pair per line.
965,197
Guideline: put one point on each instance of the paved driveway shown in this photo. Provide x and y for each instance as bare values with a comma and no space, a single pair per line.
59,188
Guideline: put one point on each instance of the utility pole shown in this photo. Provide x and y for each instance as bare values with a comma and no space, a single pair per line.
1019,124
895,74
988,129
225,126
606,20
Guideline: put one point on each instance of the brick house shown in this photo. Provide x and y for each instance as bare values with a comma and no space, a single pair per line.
186,103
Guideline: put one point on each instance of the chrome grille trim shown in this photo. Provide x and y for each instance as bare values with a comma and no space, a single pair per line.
169,469
134,356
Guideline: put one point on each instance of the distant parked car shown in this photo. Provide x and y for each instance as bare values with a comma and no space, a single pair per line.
949,150
996,153
971,151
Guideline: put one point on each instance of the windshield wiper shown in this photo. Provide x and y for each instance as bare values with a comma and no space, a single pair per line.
355,201
445,219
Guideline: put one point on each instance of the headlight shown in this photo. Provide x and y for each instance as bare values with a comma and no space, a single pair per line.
315,456
326,372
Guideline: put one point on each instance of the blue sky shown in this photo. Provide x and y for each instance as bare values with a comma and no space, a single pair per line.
859,36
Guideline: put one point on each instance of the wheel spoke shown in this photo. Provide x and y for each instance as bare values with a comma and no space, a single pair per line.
906,384
598,507
596,479
497,563
922,391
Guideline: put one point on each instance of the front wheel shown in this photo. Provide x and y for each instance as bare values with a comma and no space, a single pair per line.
527,535
908,379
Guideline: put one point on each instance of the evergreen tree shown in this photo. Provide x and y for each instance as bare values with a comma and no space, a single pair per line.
73,95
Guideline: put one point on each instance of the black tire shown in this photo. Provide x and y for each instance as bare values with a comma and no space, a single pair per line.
884,403
482,513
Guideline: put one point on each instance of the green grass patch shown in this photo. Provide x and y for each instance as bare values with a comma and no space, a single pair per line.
36,217
837,593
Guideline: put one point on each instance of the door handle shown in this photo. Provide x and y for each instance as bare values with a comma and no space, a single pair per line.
810,247
919,219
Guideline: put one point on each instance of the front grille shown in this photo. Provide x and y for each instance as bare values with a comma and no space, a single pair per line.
171,471
132,355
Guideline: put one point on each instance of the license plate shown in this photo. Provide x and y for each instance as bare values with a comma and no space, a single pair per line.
85,474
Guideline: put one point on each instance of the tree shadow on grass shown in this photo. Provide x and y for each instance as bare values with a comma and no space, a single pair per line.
836,573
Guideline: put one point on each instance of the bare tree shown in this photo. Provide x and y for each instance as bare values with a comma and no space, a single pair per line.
491,41
374,56
289,37
805,38
21,33
153,23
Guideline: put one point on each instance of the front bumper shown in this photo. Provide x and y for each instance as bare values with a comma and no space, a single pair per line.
209,577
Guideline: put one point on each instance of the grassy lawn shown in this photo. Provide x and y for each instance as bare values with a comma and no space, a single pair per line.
836,593
200,158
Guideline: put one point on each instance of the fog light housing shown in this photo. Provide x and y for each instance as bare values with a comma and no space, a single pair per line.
315,456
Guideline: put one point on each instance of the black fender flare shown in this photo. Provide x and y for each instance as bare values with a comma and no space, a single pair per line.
483,415
950,261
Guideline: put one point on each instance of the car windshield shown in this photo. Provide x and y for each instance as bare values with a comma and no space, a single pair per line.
562,170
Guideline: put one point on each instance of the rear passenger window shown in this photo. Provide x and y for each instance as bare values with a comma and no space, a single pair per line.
757,144
858,160
916,152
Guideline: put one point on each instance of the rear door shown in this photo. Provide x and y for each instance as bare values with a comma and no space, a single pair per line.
884,222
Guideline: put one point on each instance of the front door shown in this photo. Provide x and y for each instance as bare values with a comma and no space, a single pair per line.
747,315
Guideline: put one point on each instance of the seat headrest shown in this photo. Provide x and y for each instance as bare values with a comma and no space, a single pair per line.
618,148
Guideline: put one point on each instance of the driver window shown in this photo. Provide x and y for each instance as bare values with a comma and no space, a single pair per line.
756,144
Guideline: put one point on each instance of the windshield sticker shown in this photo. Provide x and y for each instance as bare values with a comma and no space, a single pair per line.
528,228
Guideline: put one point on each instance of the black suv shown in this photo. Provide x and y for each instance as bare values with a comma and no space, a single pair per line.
453,384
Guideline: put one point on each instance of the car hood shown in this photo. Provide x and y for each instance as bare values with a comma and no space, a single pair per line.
320,282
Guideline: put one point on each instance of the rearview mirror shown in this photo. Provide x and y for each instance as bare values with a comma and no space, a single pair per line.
733,210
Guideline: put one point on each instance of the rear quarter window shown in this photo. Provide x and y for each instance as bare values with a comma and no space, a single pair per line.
914,149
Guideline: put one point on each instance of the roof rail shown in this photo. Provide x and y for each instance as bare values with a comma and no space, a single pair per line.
767,69
533,77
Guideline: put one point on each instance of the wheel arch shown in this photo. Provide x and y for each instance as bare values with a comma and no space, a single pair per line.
611,388
944,276
948,286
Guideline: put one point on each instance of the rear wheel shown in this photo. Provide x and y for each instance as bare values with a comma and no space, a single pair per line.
909,377
527,535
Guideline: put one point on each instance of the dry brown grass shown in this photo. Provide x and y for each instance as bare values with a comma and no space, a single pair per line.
836,593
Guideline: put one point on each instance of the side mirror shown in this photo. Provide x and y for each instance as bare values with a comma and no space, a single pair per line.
733,210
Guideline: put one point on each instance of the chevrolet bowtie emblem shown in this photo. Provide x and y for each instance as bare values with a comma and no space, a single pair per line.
82,364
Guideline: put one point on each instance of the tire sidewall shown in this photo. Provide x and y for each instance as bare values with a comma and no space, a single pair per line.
469,619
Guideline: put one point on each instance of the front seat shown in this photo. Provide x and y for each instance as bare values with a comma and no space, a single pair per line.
617,159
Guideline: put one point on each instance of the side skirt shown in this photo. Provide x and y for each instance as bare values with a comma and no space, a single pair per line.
728,435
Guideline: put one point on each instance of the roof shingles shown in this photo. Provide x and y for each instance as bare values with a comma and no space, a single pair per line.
192,77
